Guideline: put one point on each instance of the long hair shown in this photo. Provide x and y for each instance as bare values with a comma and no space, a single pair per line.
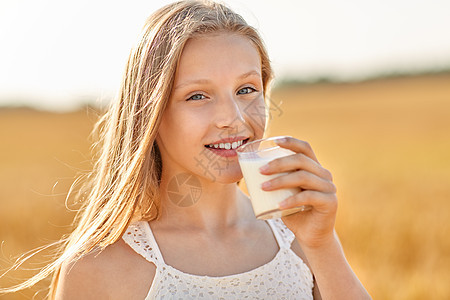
124,183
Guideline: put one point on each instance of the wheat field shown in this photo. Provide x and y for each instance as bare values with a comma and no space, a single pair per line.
386,141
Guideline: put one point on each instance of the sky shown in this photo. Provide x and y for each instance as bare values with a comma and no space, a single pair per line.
59,54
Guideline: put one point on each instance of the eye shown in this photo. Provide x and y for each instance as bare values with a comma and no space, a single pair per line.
246,90
196,97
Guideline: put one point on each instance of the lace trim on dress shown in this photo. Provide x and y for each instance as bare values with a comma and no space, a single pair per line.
283,235
140,238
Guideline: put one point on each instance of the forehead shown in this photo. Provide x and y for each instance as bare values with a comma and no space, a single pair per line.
216,53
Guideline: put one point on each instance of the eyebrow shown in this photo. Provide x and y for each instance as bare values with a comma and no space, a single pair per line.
205,81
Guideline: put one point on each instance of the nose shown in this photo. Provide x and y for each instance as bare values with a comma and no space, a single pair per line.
228,113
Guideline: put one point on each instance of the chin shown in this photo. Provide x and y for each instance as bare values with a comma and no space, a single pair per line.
229,180
229,176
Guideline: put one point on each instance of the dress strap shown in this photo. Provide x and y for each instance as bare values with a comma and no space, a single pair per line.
283,235
140,238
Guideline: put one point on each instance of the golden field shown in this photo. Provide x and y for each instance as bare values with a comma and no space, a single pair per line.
386,141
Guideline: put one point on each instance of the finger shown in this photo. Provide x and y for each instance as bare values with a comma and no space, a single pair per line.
313,198
300,179
294,162
297,146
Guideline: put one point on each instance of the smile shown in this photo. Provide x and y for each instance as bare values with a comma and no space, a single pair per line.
227,146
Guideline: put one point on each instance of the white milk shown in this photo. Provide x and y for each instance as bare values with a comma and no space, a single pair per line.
265,203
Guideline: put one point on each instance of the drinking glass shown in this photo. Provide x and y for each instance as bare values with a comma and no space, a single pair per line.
251,157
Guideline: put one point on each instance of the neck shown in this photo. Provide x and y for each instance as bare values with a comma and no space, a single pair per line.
193,203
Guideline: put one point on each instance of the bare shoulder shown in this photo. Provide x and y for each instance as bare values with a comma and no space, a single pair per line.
117,272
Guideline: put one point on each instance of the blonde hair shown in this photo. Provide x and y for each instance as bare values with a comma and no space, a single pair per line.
124,183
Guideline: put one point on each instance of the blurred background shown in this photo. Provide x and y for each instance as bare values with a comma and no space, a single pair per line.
367,83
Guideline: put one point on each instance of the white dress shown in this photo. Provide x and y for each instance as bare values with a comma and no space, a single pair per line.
284,277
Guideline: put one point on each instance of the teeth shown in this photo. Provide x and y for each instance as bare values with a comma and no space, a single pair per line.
227,146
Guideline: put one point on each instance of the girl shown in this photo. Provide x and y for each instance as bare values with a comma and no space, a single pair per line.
163,215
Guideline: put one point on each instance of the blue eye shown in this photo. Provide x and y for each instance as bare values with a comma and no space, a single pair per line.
246,90
197,97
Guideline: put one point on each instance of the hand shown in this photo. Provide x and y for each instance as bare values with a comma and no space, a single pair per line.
314,227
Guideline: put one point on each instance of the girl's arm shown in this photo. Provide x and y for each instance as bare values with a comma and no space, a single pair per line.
314,229
334,277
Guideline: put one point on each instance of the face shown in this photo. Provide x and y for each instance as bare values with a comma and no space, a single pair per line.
217,104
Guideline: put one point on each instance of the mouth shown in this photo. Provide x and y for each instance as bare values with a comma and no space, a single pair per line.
227,145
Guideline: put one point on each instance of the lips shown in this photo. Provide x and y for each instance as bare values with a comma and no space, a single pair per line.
227,147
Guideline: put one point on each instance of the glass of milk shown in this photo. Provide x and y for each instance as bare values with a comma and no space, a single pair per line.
251,157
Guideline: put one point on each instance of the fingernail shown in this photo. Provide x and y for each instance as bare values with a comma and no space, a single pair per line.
283,204
266,185
264,168
282,140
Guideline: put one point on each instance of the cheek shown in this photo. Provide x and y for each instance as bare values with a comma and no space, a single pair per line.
180,129
256,116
